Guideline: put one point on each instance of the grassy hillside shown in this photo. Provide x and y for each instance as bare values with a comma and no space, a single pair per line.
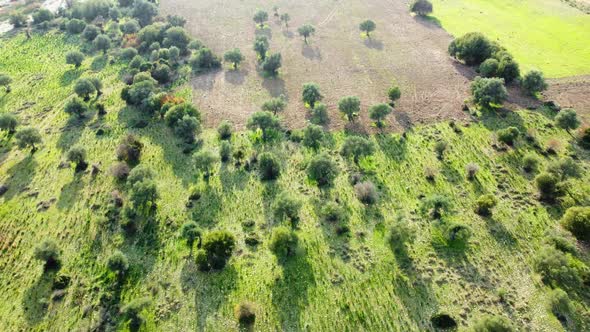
541,34
346,282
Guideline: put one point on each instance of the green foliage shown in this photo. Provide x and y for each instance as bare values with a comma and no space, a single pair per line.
436,205
130,27
534,82
488,92
8,122
493,324
269,166
274,105
48,252
175,20
473,48
176,37
322,170
319,114
245,313
567,119
17,19
285,18
132,312
394,93
271,64
508,68
162,73
367,27
584,137
421,7
75,106
305,31
139,174
187,127
190,232
558,268
357,147
400,234
333,213
42,15
560,305
577,220
27,137
530,162
204,60
216,250
379,112
74,58
179,111
234,57
143,194
102,43
286,207
508,135
225,151
77,154
90,32
260,17
366,192
489,68
75,26
84,88
283,243
313,136
204,161
261,46
118,263
311,94
265,122
224,130
485,204
350,106
144,11
564,168
547,186
440,147
458,234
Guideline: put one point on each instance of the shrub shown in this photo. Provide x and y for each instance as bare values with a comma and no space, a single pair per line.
485,204
367,26
216,250
190,232
234,57
224,130
77,155
75,106
18,19
458,234
204,161
313,136
556,268
421,7
493,324
436,205
319,115
245,313
560,305
547,186
74,58
488,92
48,251
508,135
489,68
269,167
322,170
90,32
350,106
567,119
564,168
440,147
102,43
530,162
534,82
394,93
187,127
287,206
272,63
129,149
144,11
26,137
84,88
283,243
378,113
42,15
143,194
333,213
118,263
577,220
75,26
204,60
357,147
120,171
139,174
366,192
266,122
311,94
8,122
473,48
471,169
274,105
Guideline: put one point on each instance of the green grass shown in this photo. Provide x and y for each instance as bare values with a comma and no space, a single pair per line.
335,283
548,35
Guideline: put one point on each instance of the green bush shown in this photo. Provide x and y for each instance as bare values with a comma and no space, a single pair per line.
75,26
313,136
322,170
17,19
508,135
245,313
489,68
118,263
269,166
224,130
287,206
488,92
584,137
400,234
473,48
577,220
42,15
204,59
216,250
357,147
458,234
266,122
394,93
534,82
493,324
530,162
485,204
283,243
90,32
132,312
274,105
143,194
84,88
565,168
332,212
179,111
560,305
559,269
204,161
272,63
440,147
436,205
48,252
547,186
187,127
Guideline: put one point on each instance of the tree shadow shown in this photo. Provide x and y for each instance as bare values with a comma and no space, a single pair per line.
288,34
275,87
450,173
336,233
236,77
36,299
69,76
416,294
72,131
211,291
499,232
392,146
290,292
206,209
266,32
205,81
373,44
20,176
403,119
269,192
231,180
70,193
311,52
428,21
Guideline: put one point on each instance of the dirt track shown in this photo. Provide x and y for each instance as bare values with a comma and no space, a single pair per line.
408,50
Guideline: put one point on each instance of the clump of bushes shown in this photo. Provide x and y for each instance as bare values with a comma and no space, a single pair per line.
332,212
488,92
245,313
319,114
129,149
191,233
287,206
559,269
357,147
322,170
471,169
485,204
215,251
204,59
567,119
283,243
530,162
265,122
269,166
577,220
508,135
132,312
493,323
366,192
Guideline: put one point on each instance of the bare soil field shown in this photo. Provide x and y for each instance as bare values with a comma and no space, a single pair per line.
411,51
571,92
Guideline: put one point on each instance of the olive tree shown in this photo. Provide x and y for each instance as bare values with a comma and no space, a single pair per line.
322,170
357,147
534,82
367,27
488,92
305,31
264,121
350,106
74,58
313,135
421,7
77,155
144,11
234,57
102,43
28,137
75,106
274,105
8,122
84,87
378,113
48,251
261,47
567,119
272,64
394,93
285,18
311,94
260,17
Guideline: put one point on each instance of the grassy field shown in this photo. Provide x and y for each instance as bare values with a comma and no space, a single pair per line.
541,34
342,283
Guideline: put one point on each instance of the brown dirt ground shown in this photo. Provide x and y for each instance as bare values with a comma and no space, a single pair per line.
406,49
571,92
